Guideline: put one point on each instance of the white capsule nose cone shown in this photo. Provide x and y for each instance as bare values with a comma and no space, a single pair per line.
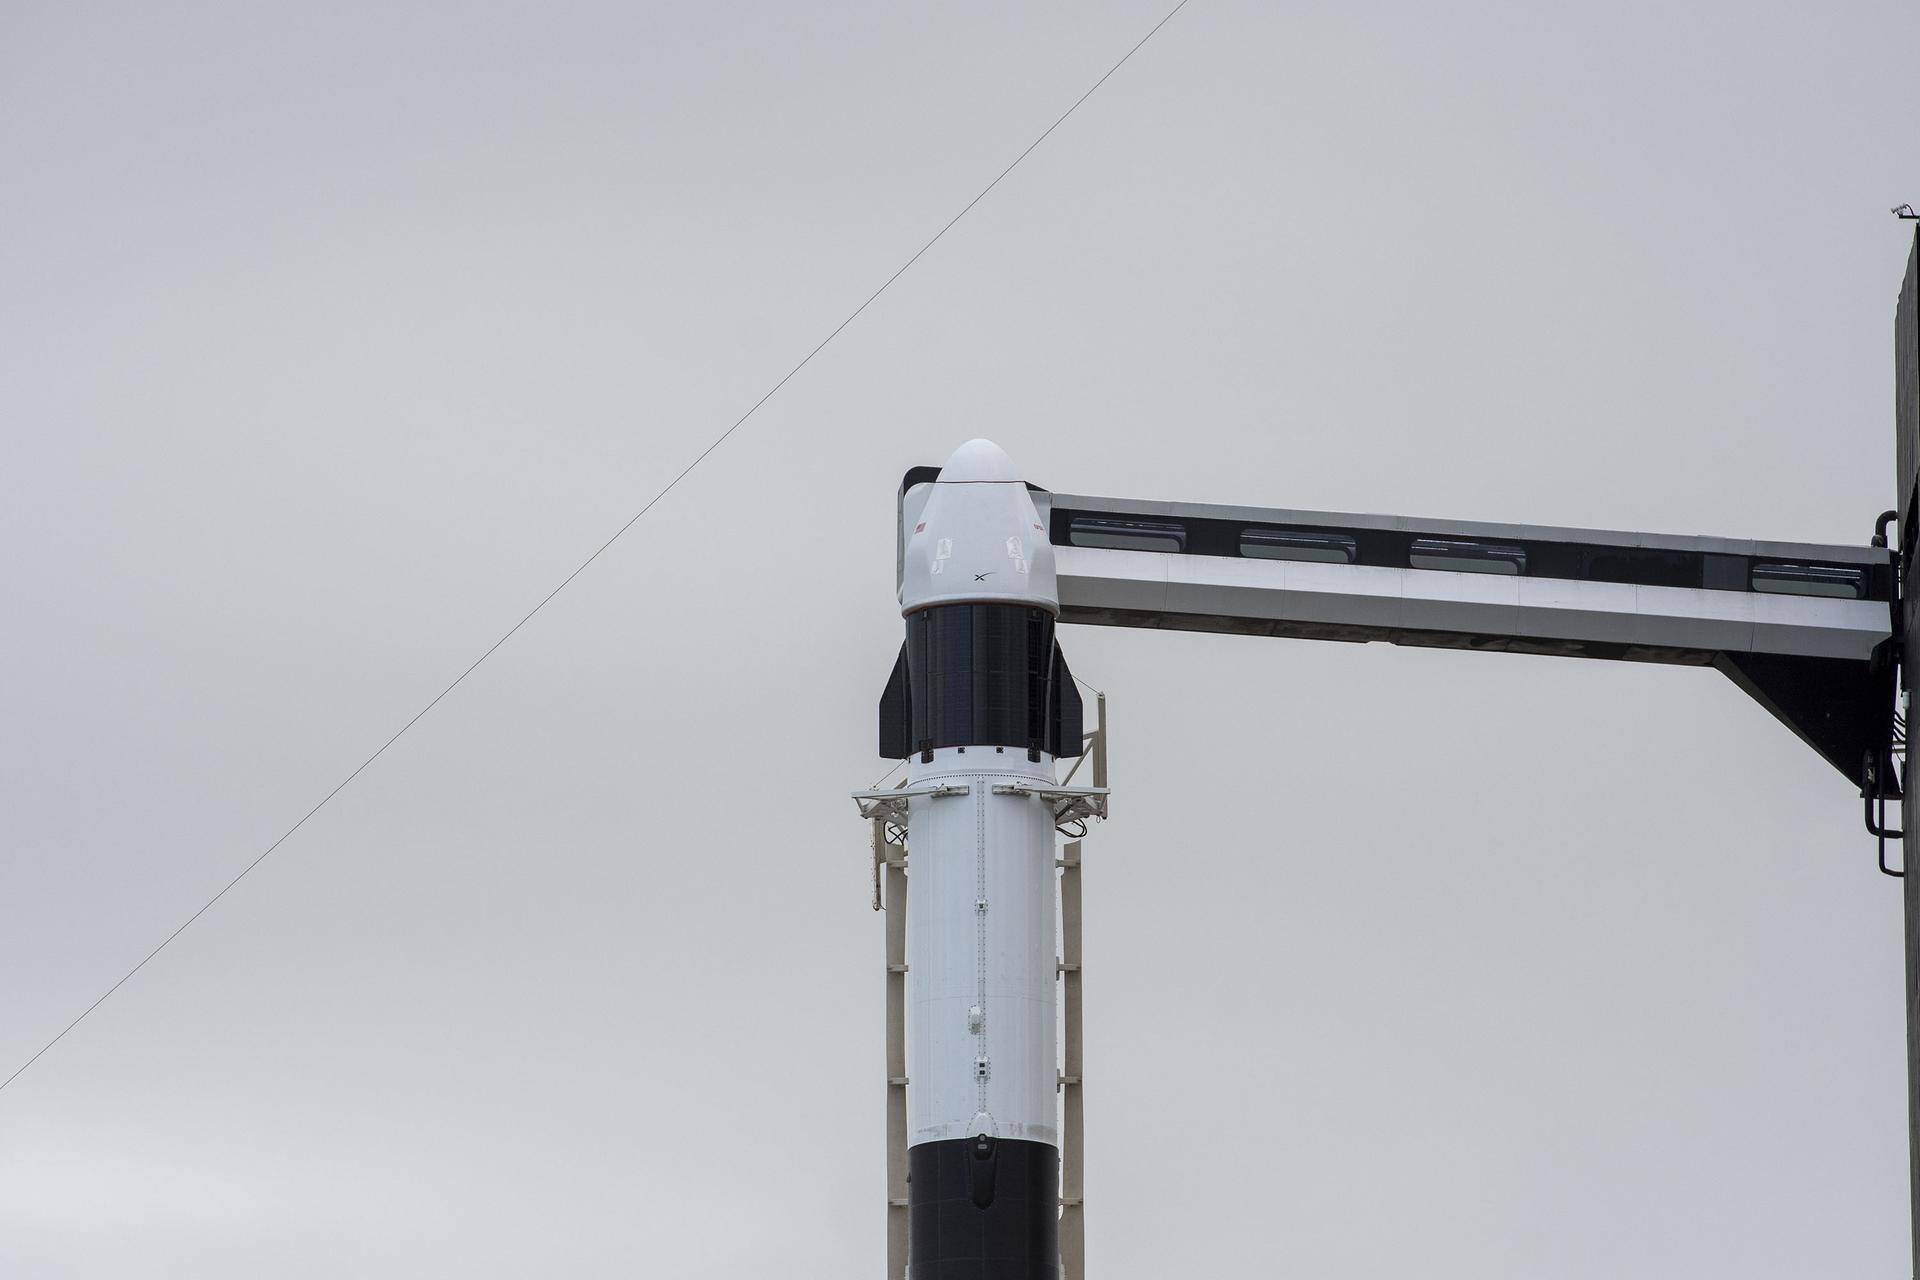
978,461
978,538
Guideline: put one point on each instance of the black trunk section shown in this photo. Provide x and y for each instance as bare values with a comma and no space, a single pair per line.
980,675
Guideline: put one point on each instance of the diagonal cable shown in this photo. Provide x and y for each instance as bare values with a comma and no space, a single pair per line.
601,550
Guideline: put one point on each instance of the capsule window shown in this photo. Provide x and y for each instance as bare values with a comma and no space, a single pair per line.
1287,544
1128,535
1466,557
1810,580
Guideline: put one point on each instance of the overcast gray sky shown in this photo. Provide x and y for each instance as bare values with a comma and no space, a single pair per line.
336,335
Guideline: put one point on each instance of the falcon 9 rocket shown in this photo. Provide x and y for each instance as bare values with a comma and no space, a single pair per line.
981,704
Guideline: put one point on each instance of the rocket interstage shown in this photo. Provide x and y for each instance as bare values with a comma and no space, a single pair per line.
981,704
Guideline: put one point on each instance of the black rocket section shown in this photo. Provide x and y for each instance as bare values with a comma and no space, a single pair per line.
984,1209
980,675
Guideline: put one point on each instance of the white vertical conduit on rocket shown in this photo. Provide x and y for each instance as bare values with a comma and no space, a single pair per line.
981,703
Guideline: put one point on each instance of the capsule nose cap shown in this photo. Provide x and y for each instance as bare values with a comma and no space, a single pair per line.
978,461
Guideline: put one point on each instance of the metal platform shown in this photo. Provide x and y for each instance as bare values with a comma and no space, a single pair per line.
1803,628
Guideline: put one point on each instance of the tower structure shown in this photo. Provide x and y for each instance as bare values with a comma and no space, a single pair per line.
981,707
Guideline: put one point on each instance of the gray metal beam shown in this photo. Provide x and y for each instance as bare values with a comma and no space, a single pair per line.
1689,625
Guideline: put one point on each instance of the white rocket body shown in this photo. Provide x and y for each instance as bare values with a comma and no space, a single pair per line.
981,968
